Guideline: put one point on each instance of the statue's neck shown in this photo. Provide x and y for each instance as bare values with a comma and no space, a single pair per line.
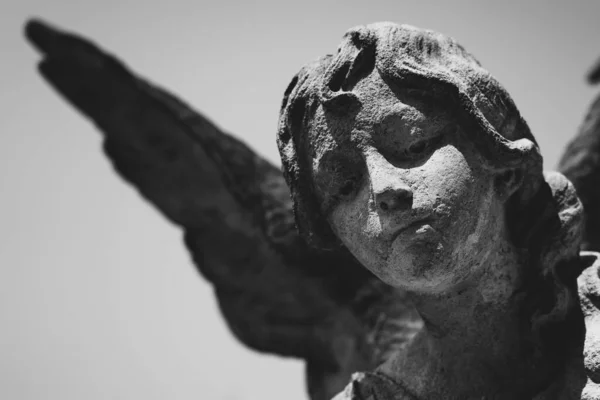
478,340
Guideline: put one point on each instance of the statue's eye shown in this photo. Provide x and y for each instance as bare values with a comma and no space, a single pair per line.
418,148
421,147
348,187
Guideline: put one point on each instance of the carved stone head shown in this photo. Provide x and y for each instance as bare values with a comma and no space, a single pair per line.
402,133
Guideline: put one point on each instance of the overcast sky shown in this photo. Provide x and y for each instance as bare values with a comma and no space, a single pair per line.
98,297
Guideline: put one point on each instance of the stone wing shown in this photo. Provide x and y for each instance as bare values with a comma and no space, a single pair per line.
234,208
580,163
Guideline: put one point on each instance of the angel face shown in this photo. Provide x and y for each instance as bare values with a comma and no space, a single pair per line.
406,192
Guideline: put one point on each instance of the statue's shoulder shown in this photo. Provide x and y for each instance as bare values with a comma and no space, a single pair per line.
589,298
373,386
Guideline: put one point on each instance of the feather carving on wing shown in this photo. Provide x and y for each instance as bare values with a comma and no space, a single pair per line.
234,208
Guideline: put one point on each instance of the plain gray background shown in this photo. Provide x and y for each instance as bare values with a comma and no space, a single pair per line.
98,297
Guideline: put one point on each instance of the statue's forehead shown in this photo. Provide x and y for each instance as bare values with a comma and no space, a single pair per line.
387,116
385,120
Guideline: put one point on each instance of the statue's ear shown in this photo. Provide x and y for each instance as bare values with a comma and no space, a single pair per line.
508,181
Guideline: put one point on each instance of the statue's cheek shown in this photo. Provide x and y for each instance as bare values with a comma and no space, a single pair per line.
443,182
359,228
450,189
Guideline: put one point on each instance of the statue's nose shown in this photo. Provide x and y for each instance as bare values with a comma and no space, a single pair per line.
394,198
389,189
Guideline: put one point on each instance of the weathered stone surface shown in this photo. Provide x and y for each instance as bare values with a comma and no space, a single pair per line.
581,164
433,257
589,292
402,149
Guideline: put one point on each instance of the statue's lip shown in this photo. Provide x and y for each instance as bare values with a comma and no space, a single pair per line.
413,224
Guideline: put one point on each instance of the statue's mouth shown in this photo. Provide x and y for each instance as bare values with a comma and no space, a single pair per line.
413,227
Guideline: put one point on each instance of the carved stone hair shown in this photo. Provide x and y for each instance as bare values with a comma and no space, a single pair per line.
421,61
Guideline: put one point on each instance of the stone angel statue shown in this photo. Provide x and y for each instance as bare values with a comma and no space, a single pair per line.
411,248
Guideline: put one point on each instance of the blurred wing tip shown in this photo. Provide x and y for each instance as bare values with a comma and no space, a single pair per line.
41,34
593,76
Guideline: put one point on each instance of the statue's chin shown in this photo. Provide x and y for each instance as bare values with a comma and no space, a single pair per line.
421,265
